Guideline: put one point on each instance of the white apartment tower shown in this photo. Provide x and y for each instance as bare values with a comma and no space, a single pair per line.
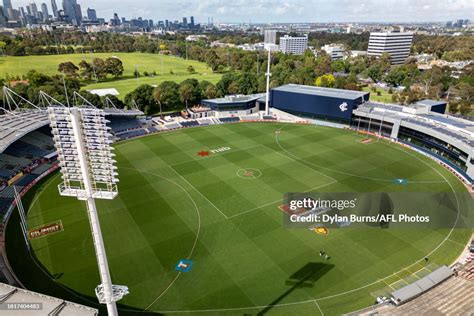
396,44
293,45
270,36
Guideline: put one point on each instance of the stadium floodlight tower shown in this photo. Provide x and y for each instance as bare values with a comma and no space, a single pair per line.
269,47
88,170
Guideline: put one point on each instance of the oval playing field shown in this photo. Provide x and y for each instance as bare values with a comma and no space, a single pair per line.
211,195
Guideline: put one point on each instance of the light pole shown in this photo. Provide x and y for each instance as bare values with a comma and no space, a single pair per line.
268,47
82,140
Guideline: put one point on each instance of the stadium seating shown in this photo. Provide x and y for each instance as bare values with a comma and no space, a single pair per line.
123,124
25,150
131,134
229,119
189,123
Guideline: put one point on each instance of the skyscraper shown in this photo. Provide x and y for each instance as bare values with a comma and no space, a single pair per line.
44,10
185,22
54,7
91,14
34,9
78,13
192,22
71,12
396,44
7,4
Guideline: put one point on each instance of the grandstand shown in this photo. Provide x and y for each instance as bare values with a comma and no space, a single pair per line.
449,138
453,297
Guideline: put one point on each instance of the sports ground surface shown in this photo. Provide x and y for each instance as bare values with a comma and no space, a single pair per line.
161,64
221,211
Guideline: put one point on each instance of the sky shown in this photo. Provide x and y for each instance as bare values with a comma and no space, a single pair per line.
283,11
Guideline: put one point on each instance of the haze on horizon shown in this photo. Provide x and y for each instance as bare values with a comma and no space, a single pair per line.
280,11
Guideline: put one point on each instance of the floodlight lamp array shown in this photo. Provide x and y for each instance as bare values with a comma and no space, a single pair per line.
95,141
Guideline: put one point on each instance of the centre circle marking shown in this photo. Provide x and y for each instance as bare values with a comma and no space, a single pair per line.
249,173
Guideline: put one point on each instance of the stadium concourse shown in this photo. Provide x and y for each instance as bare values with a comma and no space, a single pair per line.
27,155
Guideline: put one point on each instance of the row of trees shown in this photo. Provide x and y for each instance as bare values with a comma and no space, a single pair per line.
98,69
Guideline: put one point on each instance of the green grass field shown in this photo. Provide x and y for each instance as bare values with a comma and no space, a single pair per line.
174,204
162,64
384,96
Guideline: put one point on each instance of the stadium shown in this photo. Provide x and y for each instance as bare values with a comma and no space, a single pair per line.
198,223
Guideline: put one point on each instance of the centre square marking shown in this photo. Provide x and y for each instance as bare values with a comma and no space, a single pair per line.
249,173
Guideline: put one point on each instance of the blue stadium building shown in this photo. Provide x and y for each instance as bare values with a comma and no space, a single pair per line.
317,102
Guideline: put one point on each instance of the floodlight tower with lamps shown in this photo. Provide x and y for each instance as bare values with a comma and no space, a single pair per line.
269,47
88,170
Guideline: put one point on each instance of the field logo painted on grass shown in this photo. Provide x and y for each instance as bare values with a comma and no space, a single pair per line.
400,181
47,229
205,153
219,150
249,173
184,265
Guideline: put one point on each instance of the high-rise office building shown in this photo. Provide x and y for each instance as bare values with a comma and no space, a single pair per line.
7,4
78,12
72,12
293,45
54,7
192,22
185,21
396,44
91,14
44,10
33,9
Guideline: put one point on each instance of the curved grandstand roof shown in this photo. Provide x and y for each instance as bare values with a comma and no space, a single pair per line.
454,130
14,125
32,303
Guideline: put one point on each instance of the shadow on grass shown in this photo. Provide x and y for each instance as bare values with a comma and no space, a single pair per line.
304,277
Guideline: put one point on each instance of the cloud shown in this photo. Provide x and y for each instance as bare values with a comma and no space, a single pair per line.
282,10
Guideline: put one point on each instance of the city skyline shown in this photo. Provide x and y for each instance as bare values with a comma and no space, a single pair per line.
283,11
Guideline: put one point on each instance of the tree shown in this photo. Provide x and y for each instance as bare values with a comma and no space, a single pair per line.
375,73
190,91
143,96
68,69
338,66
191,69
212,60
167,96
323,65
86,70
2,46
396,76
185,93
100,70
326,80
223,84
247,83
208,90
114,66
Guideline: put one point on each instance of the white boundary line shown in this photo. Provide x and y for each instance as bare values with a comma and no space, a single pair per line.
456,243
347,173
192,186
279,200
319,308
